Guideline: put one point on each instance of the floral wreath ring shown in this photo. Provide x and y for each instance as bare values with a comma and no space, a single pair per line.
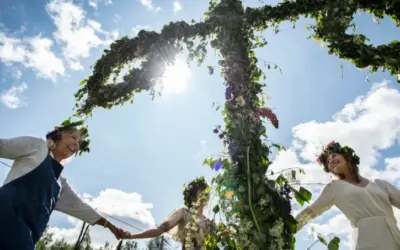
335,147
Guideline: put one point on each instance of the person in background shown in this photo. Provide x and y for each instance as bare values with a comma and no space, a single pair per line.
34,188
367,204
177,221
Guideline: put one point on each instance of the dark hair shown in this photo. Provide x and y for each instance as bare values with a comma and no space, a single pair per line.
348,153
190,191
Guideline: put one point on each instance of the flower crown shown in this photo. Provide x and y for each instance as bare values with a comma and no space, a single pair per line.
335,147
68,124
188,191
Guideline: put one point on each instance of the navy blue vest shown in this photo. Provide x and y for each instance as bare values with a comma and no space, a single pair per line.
26,204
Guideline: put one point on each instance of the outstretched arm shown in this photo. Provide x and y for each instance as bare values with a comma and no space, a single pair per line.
393,193
173,219
70,203
24,146
324,201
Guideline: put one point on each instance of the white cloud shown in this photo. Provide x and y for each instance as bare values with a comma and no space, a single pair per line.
149,5
370,125
117,18
12,97
31,52
17,74
177,6
76,34
127,207
95,3
203,150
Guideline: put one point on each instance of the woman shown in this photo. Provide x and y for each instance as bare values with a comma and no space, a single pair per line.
367,204
177,222
34,188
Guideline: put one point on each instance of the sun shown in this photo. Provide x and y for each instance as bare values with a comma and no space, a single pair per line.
176,78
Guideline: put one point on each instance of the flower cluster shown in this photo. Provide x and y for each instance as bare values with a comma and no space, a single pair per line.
192,228
335,147
269,114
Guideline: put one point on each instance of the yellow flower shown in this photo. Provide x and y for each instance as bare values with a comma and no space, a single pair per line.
229,194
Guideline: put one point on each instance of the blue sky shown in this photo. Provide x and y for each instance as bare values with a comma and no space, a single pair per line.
142,154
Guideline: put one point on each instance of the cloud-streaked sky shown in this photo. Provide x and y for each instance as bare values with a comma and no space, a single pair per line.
143,153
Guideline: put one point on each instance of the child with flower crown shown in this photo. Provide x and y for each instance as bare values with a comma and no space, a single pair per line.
187,225
367,204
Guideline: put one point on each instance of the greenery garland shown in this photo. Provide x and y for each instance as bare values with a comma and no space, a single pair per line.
258,208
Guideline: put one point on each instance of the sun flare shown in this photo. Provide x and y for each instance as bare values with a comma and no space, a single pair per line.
176,78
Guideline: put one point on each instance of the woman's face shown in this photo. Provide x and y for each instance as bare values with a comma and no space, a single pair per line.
68,145
337,164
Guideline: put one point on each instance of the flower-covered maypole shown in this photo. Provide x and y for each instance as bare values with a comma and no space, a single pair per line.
254,206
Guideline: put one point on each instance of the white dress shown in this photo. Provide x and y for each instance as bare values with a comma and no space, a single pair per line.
369,210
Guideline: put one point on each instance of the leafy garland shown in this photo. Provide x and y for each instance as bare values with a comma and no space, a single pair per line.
258,208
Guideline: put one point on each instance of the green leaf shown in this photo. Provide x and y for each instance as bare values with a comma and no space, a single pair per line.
334,244
279,147
83,82
210,70
208,161
281,179
294,174
216,209
302,195
322,240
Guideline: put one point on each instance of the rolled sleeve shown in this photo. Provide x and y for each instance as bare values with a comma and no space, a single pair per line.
70,203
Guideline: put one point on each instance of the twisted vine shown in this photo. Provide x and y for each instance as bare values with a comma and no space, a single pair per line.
258,208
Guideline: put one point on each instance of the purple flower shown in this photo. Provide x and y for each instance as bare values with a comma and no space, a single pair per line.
218,165
228,92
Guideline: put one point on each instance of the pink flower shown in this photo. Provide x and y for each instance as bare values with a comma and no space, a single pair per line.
331,143
267,113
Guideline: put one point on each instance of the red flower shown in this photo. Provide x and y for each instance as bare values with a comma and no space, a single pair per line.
267,113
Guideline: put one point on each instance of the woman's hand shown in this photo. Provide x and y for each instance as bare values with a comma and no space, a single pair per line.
119,233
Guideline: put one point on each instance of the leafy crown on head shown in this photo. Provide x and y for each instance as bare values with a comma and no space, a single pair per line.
190,190
335,147
68,124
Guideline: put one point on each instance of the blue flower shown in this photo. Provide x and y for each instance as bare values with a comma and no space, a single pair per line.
218,165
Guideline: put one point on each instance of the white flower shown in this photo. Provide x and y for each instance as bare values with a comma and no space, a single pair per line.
240,101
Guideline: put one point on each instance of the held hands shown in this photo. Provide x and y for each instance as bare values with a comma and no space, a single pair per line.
118,232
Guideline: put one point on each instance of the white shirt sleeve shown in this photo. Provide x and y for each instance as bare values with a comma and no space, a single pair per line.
19,147
325,200
26,151
70,203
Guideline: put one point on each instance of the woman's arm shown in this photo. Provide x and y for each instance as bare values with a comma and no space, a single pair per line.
24,146
324,201
173,219
70,203
393,193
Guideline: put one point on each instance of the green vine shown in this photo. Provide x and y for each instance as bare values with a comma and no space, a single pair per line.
256,207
